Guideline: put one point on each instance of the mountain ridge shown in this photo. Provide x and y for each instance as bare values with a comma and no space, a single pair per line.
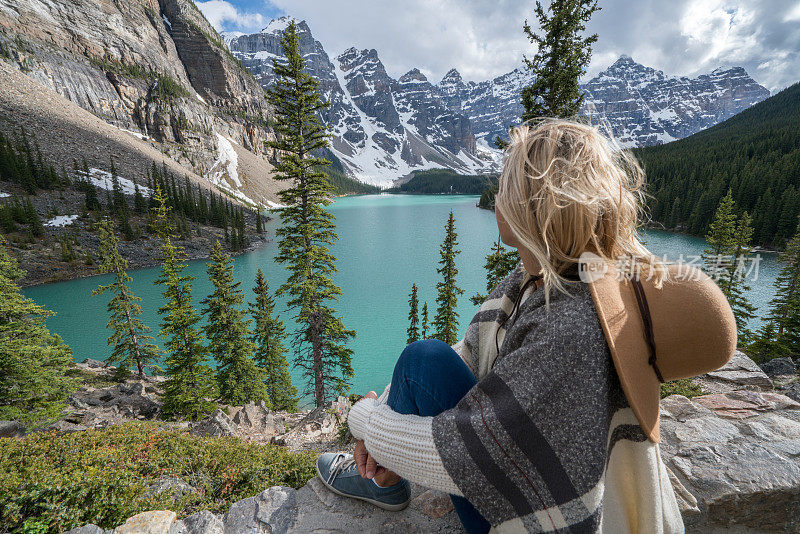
383,129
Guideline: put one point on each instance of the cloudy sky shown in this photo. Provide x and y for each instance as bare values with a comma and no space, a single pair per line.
483,38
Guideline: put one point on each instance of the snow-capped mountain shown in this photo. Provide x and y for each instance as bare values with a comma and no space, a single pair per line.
644,106
382,128
385,128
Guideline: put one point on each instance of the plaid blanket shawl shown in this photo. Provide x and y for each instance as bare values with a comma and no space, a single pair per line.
546,442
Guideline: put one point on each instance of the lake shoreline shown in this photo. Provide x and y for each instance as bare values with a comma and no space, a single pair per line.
134,264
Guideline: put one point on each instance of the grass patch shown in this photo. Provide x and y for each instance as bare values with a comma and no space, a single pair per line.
682,386
88,378
52,483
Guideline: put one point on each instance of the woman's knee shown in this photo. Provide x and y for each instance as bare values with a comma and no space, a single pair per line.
426,353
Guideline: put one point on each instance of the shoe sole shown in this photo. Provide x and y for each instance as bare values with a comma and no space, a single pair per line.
379,504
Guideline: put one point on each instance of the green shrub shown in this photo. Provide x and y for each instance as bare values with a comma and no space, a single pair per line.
51,483
166,88
682,386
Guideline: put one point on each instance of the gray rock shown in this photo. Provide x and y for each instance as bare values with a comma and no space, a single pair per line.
86,529
739,373
215,425
131,388
254,416
151,522
242,518
793,391
779,367
11,429
203,522
734,460
64,427
93,364
277,507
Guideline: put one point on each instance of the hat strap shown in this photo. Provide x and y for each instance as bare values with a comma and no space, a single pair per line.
644,309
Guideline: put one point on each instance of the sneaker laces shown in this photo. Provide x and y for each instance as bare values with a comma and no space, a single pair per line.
340,464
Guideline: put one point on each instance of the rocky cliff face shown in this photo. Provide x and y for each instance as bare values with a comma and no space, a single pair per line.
385,128
155,68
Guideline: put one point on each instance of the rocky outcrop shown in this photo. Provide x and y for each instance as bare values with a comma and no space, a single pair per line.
737,459
153,69
312,508
733,458
739,373
779,367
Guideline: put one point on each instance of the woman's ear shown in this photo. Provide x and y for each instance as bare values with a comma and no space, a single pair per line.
506,235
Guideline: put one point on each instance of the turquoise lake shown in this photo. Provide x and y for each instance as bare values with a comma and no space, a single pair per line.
386,243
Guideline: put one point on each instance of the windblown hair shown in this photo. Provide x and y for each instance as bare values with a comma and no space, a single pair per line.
567,189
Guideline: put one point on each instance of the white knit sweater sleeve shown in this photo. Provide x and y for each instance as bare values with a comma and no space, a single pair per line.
401,443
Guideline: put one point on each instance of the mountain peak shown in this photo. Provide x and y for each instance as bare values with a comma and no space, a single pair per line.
625,59
280,24
353,55
453,77
413,76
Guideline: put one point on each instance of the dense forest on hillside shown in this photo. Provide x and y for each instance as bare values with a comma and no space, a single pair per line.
755,154
436,181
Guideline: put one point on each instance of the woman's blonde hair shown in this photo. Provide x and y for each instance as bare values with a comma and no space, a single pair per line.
567,189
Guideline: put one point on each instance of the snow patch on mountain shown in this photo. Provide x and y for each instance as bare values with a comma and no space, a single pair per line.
60,221
105,180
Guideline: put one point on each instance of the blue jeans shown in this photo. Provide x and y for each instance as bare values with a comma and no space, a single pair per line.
429,378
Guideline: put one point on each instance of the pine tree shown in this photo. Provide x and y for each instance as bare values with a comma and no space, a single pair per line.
238,379
307,228
139,203
562,55
268,336
780,334
34,222
736,283
499,264
413,316
725,260
92,200
130,339
424,327
33,362
118,203
720,239
189,382
445,323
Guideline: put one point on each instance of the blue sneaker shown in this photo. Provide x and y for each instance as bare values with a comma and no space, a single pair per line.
339,473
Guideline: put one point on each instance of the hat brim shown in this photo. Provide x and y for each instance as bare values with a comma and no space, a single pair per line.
623,327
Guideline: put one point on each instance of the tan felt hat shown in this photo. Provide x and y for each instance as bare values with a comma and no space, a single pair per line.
684,329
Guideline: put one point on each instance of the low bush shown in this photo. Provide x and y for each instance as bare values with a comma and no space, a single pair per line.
682,386
52,483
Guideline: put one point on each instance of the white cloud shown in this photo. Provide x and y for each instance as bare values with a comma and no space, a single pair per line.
793,14
484,38
225,16
481,39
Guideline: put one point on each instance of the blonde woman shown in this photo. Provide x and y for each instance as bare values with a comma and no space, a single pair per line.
544,418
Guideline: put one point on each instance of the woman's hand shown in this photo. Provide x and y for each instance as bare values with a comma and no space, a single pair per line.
366,464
